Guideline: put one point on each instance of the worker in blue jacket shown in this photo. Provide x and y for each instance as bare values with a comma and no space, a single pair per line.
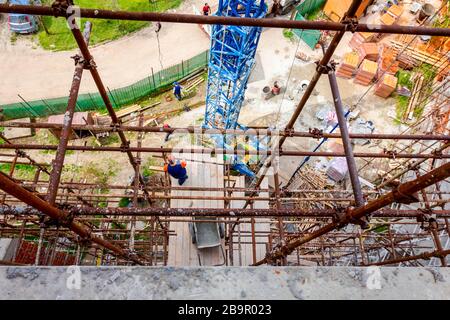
177,169
177,90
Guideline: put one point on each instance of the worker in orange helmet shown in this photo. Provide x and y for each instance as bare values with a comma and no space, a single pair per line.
177,169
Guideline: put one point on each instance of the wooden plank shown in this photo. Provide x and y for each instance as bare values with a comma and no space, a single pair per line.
181,250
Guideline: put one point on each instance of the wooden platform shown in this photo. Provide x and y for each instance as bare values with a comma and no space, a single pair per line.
181,250
243,252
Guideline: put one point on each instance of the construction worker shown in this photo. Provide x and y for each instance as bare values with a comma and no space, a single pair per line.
206,10
177,90
166,126
177,169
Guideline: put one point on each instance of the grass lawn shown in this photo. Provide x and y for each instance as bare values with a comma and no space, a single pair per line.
60,37
404,79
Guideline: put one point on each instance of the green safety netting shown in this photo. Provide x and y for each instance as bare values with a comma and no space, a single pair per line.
154,83
311,37
309,6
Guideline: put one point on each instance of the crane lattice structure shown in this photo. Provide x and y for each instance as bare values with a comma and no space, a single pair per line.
232,57
231,60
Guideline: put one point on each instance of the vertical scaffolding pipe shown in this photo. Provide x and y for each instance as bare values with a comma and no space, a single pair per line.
391,240
58,163
78,254
136,183
437,241
351,163
278,207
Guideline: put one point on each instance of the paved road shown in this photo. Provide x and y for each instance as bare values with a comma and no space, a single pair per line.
35,73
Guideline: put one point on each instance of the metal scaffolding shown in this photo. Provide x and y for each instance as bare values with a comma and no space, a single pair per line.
402,220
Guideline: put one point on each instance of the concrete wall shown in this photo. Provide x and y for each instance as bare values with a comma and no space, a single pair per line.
7,247
224,283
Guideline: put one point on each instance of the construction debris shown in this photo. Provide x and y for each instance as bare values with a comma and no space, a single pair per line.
79,118
338,169
418,80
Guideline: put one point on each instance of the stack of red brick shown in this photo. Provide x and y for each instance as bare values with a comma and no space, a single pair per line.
366,72
348,66
359,38
368,51
386,86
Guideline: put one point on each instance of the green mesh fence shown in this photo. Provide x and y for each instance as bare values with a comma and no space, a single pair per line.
310,37
154,83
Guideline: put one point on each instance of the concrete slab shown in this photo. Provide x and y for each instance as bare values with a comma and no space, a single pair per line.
17,133
211,283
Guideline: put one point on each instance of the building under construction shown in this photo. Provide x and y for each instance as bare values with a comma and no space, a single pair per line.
350,198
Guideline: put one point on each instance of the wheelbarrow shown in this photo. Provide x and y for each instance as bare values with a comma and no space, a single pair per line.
207,235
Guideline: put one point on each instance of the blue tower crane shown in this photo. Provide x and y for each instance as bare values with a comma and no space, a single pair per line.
231,60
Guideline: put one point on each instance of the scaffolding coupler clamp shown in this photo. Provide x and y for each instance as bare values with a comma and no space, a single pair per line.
324,69
289,132
89,65
21,154
67,220
77,58
317,133
115,127
46,222
60,7
391,153
350,24
125,146
339,215
437,154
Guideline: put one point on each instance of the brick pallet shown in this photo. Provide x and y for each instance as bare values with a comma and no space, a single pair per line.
386,86
359,38
348,65
368,51
366,72
387,63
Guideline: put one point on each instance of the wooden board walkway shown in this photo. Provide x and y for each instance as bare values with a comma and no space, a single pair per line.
182,252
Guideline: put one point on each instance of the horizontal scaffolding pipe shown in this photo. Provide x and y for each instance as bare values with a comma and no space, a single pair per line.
250,132
66,197
228,152
84,186
221,20
205,212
